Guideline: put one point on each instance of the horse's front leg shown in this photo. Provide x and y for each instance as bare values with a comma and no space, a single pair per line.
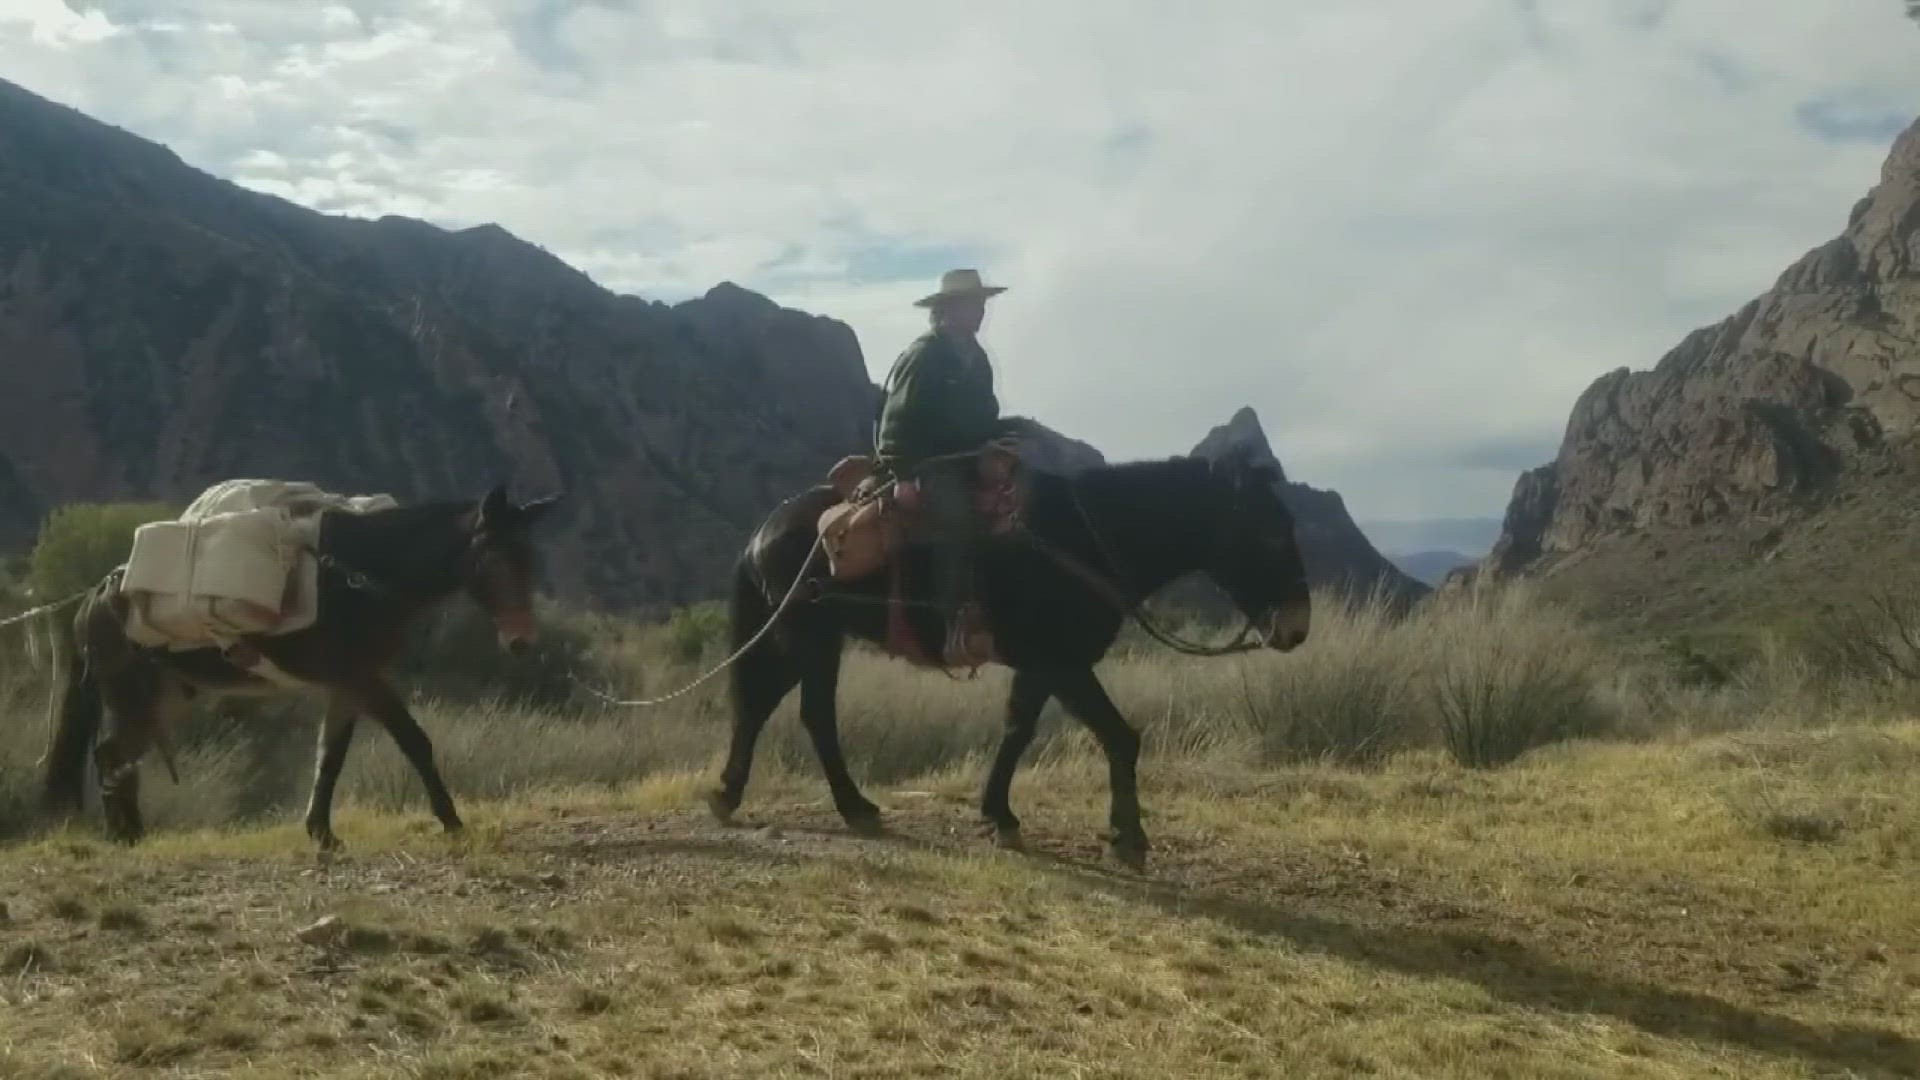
336,736
379,700
1087,700
818,658
1024,701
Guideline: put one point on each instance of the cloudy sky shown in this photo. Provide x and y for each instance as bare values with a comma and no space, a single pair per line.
1407,232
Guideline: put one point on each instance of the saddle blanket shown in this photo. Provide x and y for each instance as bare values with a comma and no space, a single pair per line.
239,561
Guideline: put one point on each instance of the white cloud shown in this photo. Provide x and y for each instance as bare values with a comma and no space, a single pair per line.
1407,233
55,24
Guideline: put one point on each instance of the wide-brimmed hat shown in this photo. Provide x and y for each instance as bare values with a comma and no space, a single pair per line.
958,283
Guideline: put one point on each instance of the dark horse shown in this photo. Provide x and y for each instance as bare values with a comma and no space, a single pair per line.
1137,526
379,570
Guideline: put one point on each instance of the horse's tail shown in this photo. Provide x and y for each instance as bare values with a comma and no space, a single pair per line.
64,779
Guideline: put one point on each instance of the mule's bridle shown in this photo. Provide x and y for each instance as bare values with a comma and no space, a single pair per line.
1249,639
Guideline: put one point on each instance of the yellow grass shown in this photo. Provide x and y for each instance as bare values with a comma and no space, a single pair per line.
1708,882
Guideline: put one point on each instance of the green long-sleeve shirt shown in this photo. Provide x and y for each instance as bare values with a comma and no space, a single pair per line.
939,400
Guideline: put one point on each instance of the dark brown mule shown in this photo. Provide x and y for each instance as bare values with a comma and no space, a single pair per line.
379,571
1137,525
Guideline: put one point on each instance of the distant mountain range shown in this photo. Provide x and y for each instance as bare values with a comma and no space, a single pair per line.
1431,567
1475,536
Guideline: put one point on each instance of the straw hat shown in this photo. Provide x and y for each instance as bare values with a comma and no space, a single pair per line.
957,283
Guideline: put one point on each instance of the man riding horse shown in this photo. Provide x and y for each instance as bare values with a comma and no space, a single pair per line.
939,411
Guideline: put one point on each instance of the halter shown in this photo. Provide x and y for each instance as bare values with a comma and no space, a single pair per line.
1133,607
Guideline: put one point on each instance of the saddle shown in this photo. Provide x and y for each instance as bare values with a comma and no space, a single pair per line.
865,532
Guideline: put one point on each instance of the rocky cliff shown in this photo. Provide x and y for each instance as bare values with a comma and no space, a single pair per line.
1749,435
161,329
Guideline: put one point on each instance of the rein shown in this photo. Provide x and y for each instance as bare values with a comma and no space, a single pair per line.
799,578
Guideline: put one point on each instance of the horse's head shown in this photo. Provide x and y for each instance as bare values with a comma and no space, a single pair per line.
1257,558
501,564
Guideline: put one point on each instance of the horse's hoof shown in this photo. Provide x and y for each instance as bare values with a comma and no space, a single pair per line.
454,829
721,809
1130,851
1005,837
325,841
865,822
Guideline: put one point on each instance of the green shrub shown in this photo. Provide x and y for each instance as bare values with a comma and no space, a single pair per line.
79,543
1510,674
697,632
1346,698
457,658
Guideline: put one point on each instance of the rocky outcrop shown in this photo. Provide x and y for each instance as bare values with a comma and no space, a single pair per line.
1761,419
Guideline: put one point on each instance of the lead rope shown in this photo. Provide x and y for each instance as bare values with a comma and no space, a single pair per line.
54,656
799,579
45,609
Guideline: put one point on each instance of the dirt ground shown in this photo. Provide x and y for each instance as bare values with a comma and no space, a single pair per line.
1411,922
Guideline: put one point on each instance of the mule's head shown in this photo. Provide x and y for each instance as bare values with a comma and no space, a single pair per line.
1257,556
501,564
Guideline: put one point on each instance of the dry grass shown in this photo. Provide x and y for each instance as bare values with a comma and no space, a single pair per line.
1709,882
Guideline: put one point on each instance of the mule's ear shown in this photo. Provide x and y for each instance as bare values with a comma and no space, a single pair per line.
493,507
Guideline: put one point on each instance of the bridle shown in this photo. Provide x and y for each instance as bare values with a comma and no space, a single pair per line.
1250,638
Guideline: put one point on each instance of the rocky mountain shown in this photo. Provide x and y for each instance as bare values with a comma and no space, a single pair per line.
162,329
1769,442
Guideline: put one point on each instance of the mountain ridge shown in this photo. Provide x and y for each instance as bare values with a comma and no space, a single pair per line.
1749,435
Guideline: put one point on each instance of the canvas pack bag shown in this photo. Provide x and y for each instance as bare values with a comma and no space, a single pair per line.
239,562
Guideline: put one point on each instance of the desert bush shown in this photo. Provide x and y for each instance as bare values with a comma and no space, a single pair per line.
80,542
1870,650
457,658
1507,673
1818,785
698,632
1347,696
